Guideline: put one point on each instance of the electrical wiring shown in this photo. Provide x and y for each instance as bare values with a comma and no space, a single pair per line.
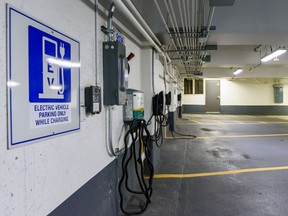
160,122
185,136
153,70
167,119
137,132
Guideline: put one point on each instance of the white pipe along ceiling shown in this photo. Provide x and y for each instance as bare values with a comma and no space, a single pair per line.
211,38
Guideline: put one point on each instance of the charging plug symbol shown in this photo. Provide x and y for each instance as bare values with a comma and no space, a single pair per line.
53,73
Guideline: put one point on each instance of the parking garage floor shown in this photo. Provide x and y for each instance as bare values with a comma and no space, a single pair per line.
237,165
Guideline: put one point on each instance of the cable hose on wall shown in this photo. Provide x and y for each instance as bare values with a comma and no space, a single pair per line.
137,132
180,134
160,122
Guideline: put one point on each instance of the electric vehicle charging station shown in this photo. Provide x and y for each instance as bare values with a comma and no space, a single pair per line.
134,107
115,81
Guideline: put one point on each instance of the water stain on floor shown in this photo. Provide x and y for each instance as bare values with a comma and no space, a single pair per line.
220,152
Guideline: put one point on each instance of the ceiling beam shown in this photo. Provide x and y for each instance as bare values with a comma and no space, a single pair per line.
207,47
215,3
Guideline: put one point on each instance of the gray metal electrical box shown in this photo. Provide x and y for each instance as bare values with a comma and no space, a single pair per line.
115,73
278,93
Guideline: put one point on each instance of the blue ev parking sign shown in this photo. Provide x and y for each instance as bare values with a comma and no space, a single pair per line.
49,79
43,83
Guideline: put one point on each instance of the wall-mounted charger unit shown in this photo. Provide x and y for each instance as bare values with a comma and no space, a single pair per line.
134,108
168,99
158,104
93,99
179,97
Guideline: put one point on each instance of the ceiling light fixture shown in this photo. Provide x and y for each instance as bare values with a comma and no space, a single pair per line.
238,71
273,55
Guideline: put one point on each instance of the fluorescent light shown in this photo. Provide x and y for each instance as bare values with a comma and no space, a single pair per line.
273,55
63,63
238,71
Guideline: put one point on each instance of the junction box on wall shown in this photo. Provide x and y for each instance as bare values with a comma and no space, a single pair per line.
93,99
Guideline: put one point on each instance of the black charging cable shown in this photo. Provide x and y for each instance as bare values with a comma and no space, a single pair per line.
161,121
137,132
184,136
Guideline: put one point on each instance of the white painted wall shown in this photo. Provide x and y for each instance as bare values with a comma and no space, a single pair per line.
243,92
250,92
196,99
36,178
135,65
147,83
158,75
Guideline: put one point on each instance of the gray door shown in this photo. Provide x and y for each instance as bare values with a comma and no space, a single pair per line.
212,93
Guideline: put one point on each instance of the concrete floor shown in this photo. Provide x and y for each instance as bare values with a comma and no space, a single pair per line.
237,165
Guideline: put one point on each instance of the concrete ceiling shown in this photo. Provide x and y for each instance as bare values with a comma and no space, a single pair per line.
240,29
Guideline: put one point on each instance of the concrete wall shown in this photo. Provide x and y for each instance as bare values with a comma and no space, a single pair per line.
251,92
242,92
35,179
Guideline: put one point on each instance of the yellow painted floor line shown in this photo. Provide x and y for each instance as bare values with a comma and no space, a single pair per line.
250,116
228,136
193,115
262,122
230,172
197,122
239,122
